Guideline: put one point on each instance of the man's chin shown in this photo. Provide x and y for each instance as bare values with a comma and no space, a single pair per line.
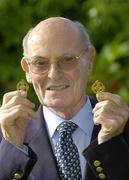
55,103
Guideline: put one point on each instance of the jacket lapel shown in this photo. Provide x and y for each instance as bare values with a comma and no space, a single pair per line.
38,140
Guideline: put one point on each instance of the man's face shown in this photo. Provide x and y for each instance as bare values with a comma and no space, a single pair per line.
58,88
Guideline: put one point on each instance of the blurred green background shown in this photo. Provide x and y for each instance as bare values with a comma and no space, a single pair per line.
107,22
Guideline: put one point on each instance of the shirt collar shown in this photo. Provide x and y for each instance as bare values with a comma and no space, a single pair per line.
83,119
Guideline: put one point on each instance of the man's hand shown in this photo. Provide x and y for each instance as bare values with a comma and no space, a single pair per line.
112,113
14,114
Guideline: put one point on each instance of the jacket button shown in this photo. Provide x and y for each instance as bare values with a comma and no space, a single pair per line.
97,163
102,175
17,176
99,169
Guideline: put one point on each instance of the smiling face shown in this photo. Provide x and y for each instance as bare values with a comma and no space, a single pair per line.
57,88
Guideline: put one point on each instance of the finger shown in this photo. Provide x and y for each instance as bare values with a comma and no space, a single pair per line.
108,107
15,100
117,104
108,122
22,109
9,95
106,104
9,120
110,110
18,111
14,133
109,113
109,96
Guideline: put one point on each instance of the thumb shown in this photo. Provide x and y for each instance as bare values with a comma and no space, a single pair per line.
109,96
101,96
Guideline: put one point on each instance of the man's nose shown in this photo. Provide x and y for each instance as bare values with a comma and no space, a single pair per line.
54,71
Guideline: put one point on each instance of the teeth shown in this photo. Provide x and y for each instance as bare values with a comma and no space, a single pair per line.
57,87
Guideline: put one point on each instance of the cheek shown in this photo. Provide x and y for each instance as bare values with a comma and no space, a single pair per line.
79,79
75,74
39,85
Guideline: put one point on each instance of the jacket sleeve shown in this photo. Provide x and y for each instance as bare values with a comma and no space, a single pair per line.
13,161
110,160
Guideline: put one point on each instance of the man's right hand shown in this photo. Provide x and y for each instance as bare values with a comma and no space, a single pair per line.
14,114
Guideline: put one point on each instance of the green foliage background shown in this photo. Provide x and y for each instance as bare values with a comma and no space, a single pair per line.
107,22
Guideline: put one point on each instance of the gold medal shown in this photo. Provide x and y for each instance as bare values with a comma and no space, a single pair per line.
22,85
98,87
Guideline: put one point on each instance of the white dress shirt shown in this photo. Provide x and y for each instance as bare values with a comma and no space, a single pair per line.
81,136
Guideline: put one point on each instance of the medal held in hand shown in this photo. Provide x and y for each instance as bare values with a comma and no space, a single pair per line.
22,85
98,87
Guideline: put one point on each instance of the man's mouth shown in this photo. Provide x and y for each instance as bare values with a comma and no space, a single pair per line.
57,87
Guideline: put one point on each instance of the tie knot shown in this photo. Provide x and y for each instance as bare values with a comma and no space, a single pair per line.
68,127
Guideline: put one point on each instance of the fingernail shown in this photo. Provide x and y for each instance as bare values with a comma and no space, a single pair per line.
100,95
23,93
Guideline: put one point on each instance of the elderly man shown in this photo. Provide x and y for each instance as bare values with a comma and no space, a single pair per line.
70,137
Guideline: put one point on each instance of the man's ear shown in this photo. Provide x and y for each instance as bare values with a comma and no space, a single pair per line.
25,68
90,57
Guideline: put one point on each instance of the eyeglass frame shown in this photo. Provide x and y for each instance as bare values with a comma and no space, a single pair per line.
77,58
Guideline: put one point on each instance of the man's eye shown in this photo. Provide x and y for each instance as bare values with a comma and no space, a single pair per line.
68,59
40,63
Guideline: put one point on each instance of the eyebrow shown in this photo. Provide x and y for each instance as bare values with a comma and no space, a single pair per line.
43,57
38,57
68,54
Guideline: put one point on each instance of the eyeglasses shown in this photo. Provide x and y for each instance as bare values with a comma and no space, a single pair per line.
40,65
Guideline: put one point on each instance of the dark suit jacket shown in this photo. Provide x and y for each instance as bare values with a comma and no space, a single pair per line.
109,160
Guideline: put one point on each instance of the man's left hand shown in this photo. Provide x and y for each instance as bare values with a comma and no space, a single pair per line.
112,113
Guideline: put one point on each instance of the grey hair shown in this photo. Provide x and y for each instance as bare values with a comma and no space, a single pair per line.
24,42
85,35
81,28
